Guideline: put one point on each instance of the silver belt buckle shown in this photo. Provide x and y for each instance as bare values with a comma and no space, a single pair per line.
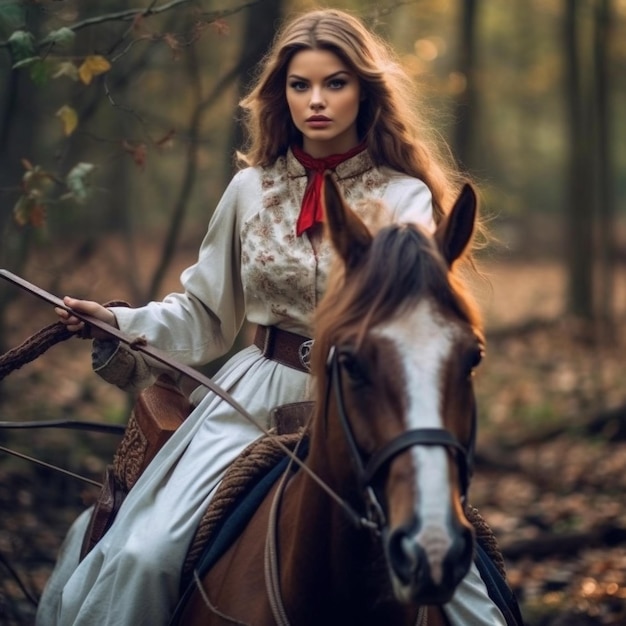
304,354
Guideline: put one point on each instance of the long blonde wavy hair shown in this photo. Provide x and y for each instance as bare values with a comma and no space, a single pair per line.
389,116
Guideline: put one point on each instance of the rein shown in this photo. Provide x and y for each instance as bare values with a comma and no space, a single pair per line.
56,468
139,344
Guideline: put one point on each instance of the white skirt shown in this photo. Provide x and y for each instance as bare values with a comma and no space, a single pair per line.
132,575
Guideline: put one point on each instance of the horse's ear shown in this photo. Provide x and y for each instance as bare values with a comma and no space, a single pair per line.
456,229
348,233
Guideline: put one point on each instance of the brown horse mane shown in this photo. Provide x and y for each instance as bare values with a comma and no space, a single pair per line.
402,265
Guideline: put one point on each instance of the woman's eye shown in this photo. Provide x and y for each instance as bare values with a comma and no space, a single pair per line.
298,85
337,83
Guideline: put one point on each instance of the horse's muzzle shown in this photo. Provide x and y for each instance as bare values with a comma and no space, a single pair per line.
428,564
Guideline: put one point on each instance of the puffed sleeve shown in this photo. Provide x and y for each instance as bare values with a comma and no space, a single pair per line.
410,201
200,323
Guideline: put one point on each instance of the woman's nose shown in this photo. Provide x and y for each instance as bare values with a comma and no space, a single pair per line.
317,101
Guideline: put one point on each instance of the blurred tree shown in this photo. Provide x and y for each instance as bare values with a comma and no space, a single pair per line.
92,65
590,212
580,199
17,142
260,28
604,163
467,119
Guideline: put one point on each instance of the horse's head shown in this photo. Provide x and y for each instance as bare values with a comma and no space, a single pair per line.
397,341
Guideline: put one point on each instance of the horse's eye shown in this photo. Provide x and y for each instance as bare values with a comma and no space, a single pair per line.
474,358
353,367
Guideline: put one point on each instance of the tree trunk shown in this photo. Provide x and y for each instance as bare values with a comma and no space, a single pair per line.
262,21
467,100
579,197
604,168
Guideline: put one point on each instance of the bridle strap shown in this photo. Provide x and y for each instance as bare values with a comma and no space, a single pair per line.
419,437
335,380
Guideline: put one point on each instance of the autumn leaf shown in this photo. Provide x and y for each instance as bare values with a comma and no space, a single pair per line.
29,210
166,140
66,68
69,117
36,181
221,27
138,152
37,216
21,210
137,22
93,66
173,44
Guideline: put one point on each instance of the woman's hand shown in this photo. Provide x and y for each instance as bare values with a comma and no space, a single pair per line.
89,308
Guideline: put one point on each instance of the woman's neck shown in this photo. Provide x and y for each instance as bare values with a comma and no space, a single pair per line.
323,149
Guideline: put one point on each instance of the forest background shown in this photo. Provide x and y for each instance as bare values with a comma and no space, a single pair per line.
118,128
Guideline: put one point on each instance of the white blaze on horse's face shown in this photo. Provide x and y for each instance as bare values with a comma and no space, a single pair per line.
424,340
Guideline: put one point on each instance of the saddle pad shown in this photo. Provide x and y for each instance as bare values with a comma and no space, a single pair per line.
240,511
497,588
232,525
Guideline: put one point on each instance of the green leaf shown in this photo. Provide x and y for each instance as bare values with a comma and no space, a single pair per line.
25,62
22,45
40,71
63,36
78,181
12,16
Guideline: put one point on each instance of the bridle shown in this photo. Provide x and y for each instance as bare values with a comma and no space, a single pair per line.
368,468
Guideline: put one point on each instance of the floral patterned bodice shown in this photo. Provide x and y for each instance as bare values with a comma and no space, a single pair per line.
253,266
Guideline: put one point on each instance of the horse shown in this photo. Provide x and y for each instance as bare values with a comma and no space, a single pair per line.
390,440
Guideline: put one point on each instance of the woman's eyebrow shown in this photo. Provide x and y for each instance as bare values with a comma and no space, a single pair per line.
329,77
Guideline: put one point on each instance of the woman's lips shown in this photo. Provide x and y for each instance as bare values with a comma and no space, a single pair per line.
318,121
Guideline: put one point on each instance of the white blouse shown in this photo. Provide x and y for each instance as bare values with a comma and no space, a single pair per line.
252,265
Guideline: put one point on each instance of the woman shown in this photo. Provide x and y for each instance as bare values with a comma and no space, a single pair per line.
329,97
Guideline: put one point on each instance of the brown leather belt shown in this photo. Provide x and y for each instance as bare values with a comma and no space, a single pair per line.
284,347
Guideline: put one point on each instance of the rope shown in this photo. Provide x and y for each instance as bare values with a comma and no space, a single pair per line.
272,566
422,616
38,343
140,344
272,573
486,538
33,347
252,463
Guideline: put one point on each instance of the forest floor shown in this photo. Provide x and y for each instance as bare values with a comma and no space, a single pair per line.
550,476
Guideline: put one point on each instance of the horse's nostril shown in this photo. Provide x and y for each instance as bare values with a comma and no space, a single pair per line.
462,551
405,555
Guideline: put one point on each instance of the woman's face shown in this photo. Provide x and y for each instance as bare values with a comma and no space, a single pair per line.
323,97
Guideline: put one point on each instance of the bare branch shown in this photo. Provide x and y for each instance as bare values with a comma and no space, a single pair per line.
132,14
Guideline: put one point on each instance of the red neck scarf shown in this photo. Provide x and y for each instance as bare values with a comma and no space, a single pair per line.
311,211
